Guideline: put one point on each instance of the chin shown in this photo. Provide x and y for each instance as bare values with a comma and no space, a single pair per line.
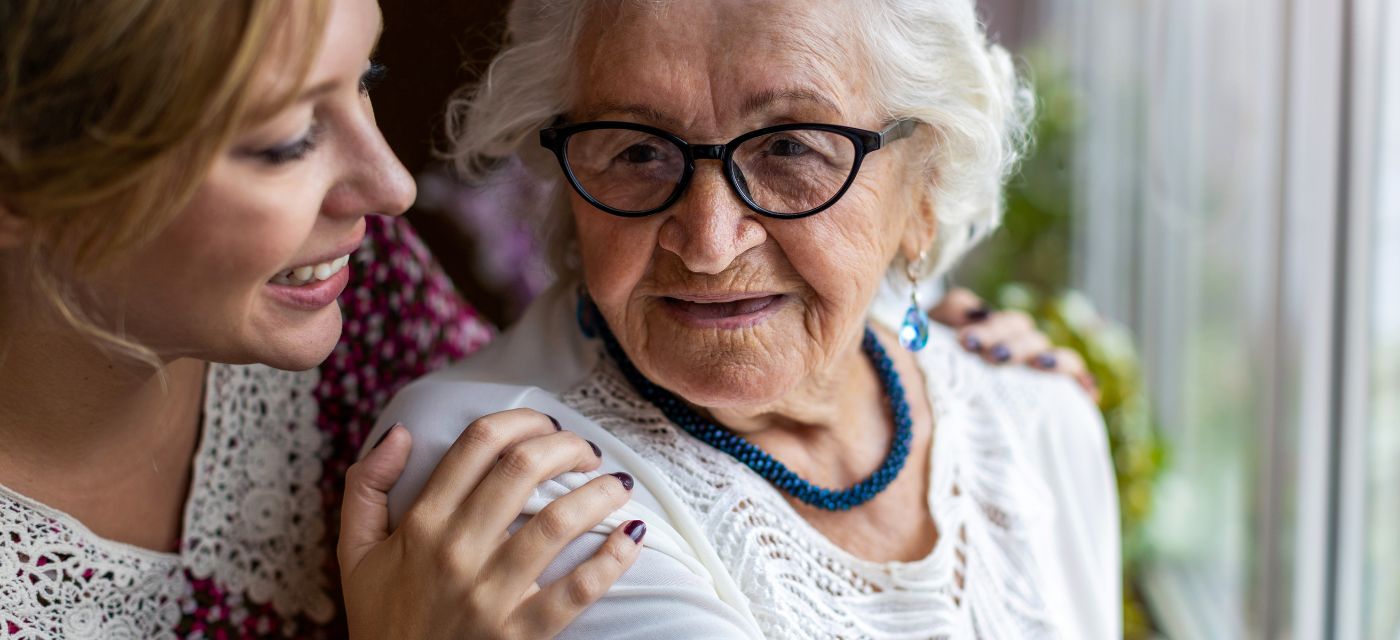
724,385
299,348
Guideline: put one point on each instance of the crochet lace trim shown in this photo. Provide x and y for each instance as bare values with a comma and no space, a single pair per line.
253,523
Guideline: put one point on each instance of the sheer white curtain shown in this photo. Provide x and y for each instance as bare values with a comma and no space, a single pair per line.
1238,199
1378,580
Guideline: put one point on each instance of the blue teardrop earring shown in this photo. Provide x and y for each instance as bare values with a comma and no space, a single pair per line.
913,334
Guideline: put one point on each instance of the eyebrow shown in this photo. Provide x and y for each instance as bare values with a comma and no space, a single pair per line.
753,104
314,93
638,111
766,99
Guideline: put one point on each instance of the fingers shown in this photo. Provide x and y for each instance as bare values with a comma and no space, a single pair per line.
555,606
1069,362
1011,337
473,455
520,561
1004,337
364,516
500,496
1023,349
959,308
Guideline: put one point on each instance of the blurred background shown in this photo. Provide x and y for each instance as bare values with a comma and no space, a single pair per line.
1211,216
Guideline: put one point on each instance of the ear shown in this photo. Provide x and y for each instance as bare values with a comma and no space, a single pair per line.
921,230
14,230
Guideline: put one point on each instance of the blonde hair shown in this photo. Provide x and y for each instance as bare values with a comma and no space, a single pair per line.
112,112
929,60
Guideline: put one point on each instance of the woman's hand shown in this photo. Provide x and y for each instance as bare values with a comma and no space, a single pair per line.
1008,337
451,570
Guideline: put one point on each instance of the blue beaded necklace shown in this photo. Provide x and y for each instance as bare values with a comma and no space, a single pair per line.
719,437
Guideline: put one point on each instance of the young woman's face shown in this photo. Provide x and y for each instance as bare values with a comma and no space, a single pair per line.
250,270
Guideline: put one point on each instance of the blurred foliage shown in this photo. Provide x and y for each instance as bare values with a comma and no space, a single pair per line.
1026,265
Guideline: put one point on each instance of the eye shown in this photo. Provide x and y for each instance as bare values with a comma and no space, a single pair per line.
372,77
289,152
640,153
786,147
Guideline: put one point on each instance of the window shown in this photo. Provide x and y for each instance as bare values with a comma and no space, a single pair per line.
1238,205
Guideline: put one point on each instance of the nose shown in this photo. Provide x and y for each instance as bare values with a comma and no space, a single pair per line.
709,227
374,181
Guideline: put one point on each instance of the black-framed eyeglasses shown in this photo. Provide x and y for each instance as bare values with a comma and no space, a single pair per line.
786,171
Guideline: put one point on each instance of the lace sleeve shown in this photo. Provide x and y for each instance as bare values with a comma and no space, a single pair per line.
1068,448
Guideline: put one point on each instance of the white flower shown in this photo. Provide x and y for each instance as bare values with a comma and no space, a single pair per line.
83,621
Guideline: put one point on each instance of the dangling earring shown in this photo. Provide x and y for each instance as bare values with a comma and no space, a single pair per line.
913,334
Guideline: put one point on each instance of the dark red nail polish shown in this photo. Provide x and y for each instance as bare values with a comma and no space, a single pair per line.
385,436
1001,353
596,451
635,529
1046,361
979,314
973,344
625,479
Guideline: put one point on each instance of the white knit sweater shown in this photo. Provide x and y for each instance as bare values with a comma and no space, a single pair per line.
1021,490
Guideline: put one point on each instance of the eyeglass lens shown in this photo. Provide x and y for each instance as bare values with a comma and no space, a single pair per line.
785,172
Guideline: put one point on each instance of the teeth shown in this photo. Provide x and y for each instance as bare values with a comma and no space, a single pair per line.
311,273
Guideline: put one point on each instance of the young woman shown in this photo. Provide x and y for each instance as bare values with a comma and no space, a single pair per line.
183,196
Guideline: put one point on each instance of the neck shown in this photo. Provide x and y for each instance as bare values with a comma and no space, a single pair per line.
834,429
78,422
832,400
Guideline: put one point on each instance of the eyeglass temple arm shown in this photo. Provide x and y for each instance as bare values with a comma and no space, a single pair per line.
899,129
549,138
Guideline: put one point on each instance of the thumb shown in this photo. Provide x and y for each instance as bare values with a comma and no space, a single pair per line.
959,308
364,514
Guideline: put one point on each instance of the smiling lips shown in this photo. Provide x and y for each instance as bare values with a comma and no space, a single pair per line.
730,312
311,287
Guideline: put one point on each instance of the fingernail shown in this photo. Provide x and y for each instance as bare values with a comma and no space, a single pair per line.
1046,361
979,314
596,451
973,344
386,435
556,423
624,478
635,529
1000,353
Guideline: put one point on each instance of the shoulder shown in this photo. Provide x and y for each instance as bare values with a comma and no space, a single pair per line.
437,409
538,357
1044,411
527,367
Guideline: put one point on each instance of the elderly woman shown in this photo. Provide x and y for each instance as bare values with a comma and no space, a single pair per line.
739,180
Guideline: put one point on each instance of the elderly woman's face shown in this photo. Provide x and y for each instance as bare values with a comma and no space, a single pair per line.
725,307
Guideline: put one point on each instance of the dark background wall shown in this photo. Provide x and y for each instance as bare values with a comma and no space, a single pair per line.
430,47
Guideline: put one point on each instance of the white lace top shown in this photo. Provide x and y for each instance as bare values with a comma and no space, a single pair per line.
255,556
1021,490
255,474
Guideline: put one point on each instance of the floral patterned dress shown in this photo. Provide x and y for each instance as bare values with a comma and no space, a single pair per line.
257,556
